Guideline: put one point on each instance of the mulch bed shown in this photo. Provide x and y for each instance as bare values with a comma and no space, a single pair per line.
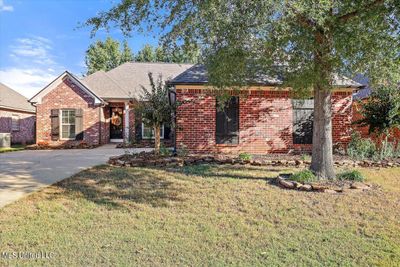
56,147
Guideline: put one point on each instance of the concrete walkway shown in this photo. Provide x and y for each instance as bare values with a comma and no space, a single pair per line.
23,172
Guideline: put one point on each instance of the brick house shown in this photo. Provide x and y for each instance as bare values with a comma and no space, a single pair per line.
262,118
98,109
17,116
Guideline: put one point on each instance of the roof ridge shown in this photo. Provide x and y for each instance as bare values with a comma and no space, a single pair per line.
157,62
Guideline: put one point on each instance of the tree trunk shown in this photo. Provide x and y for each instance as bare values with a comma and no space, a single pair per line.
322,156
157,139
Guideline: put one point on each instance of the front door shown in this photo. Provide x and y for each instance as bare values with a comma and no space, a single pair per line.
116,125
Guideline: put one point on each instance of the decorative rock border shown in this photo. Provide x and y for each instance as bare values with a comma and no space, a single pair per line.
318,187
148,159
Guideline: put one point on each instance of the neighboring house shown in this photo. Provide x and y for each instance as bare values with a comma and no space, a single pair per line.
17,116
262,118
98,109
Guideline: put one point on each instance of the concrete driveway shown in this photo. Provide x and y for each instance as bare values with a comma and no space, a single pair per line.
23,172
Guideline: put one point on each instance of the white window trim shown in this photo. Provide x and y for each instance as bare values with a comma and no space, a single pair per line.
18,123
61,124
148,138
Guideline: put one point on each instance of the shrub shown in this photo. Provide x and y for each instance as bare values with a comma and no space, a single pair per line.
360,148
386,150
182,151
353,175
304,176
164,151
245,156
305,157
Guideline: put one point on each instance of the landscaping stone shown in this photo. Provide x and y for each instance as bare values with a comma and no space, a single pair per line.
286,184
319,187
359,185
330,191
149,159
305,187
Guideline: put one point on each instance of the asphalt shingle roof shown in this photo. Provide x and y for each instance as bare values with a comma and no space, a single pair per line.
125,81
12,100
104,86
198,75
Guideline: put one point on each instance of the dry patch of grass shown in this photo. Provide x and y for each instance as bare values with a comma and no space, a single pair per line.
203,215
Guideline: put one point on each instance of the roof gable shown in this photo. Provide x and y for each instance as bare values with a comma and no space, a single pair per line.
37,99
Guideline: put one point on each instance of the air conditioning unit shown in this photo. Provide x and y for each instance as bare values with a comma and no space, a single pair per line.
5,139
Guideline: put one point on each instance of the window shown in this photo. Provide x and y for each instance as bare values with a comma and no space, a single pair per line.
303,116
148,131
68,124
15,123
227,122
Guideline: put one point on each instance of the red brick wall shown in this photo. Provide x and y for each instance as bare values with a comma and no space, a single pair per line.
342,111
26,133
265,122
68,95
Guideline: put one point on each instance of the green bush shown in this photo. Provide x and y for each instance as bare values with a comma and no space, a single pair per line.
245,156
304,176
361,148
386,150
350,176
305,157
164,151
182,151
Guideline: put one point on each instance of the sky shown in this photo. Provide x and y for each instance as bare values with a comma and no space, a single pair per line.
39,39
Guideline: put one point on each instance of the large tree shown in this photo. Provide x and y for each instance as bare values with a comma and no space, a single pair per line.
308,42
106,55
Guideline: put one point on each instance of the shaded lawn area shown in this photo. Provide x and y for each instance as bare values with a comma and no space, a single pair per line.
203,215
12,148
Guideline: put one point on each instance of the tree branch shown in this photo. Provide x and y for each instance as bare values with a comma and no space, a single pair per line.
355,13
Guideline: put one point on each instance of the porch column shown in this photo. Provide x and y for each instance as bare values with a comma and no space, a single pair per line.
126,123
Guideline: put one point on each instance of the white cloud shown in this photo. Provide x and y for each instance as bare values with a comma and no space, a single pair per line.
37,48
33,65
26,81
4,7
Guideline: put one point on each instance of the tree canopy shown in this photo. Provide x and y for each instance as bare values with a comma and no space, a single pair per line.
148,53
109,54
106,55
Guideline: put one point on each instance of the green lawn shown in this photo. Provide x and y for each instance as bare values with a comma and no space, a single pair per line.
203,215
12,148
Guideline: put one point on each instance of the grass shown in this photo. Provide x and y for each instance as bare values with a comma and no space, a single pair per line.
12,148
203,215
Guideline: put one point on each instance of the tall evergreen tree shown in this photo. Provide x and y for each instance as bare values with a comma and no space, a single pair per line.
146,54
106,55
127,54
